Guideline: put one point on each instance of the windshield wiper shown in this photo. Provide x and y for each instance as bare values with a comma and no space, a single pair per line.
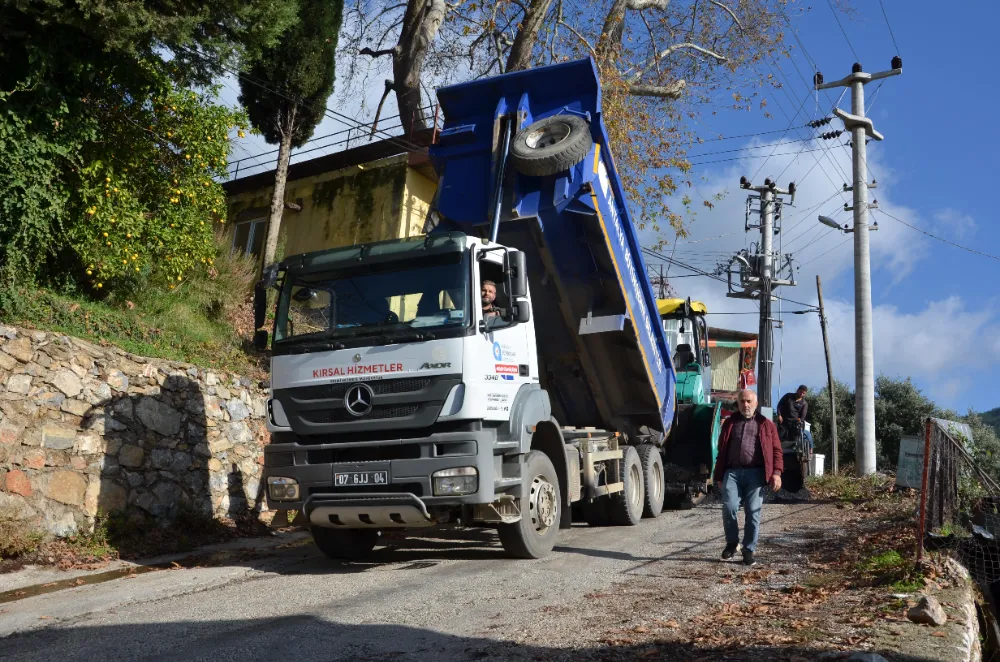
316,339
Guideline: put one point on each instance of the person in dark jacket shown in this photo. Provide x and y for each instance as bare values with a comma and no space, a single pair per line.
749,459
792,411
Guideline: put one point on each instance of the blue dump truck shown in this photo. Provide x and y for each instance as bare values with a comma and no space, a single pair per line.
509,369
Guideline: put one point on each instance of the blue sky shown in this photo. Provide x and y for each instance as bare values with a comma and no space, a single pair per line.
935,312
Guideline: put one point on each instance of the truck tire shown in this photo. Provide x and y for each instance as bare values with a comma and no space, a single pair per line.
550,146
345,544
652,473
625,507
534,535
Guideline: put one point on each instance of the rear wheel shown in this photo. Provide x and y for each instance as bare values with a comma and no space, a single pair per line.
345,544
652,472
534,535
625,507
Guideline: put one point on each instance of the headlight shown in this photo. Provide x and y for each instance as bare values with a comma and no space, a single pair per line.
283,489
463,480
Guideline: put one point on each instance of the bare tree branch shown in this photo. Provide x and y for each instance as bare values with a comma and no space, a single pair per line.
580,37
731,13
379,53
652,38
389,87
639,5
672,91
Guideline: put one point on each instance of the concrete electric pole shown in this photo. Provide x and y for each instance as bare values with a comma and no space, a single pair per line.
861,129
758,277
829,379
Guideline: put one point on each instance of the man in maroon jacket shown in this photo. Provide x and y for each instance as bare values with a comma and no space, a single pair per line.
749,458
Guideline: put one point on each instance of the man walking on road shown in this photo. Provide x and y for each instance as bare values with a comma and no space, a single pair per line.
749,459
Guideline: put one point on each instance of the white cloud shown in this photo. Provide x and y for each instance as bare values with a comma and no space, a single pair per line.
955,223
938,343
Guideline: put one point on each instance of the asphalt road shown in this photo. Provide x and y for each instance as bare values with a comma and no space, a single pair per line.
455,597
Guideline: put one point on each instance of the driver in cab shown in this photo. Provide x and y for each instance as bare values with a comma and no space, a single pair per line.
488,293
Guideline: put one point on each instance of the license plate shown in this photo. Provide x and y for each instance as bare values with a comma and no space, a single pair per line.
361,478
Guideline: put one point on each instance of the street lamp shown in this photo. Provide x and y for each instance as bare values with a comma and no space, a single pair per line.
826,220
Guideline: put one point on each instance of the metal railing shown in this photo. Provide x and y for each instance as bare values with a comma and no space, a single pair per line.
361,133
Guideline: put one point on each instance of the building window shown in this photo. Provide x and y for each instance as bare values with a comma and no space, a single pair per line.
249,236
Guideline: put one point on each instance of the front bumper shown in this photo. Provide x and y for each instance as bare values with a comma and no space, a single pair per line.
407,499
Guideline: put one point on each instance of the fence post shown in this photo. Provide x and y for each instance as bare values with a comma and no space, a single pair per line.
922,518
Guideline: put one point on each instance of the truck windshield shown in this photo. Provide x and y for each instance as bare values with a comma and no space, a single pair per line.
425,294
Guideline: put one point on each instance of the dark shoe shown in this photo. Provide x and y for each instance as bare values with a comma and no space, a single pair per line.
748,558
730,549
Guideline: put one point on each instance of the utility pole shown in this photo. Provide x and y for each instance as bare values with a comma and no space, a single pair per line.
758,277
861,129
829,377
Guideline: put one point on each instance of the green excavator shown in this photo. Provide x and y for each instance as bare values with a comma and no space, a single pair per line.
690,452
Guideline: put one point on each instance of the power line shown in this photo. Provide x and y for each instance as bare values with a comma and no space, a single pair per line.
740,158
825,253
848,39
741,149
745,135
791,121
889,25
934,236
701,272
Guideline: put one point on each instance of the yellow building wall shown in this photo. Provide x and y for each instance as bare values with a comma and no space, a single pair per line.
381,200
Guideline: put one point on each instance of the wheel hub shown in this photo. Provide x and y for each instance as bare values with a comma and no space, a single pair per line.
543,503
634,488
547,136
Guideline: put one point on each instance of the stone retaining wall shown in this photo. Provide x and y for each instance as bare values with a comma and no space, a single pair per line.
87,429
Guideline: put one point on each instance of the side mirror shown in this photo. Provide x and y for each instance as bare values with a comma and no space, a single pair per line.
260,340
259,305
517,268
522,312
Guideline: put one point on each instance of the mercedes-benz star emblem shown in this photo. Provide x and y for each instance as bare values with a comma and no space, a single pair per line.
358,400
356,358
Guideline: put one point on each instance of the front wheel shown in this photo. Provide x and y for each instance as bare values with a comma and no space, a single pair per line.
345,544
534,535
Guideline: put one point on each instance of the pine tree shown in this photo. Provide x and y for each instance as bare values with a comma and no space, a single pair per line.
285,92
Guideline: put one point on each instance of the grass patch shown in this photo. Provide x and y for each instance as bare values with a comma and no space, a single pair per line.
17,540
850,489
206,321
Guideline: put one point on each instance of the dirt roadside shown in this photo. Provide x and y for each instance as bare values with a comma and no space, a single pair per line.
835,578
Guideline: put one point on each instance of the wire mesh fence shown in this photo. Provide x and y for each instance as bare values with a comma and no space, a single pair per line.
959,514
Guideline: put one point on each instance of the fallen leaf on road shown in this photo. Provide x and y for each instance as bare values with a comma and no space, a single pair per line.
79,582
50,584
938,634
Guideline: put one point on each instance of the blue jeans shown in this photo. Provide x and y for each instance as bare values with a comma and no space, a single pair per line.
747,484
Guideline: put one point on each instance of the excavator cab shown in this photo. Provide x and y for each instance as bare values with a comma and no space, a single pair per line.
690,452
687,332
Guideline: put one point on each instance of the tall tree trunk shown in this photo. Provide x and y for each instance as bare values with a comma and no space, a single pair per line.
524,42
280,178
421,22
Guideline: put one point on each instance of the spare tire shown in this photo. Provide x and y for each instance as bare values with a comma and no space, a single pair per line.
550,146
